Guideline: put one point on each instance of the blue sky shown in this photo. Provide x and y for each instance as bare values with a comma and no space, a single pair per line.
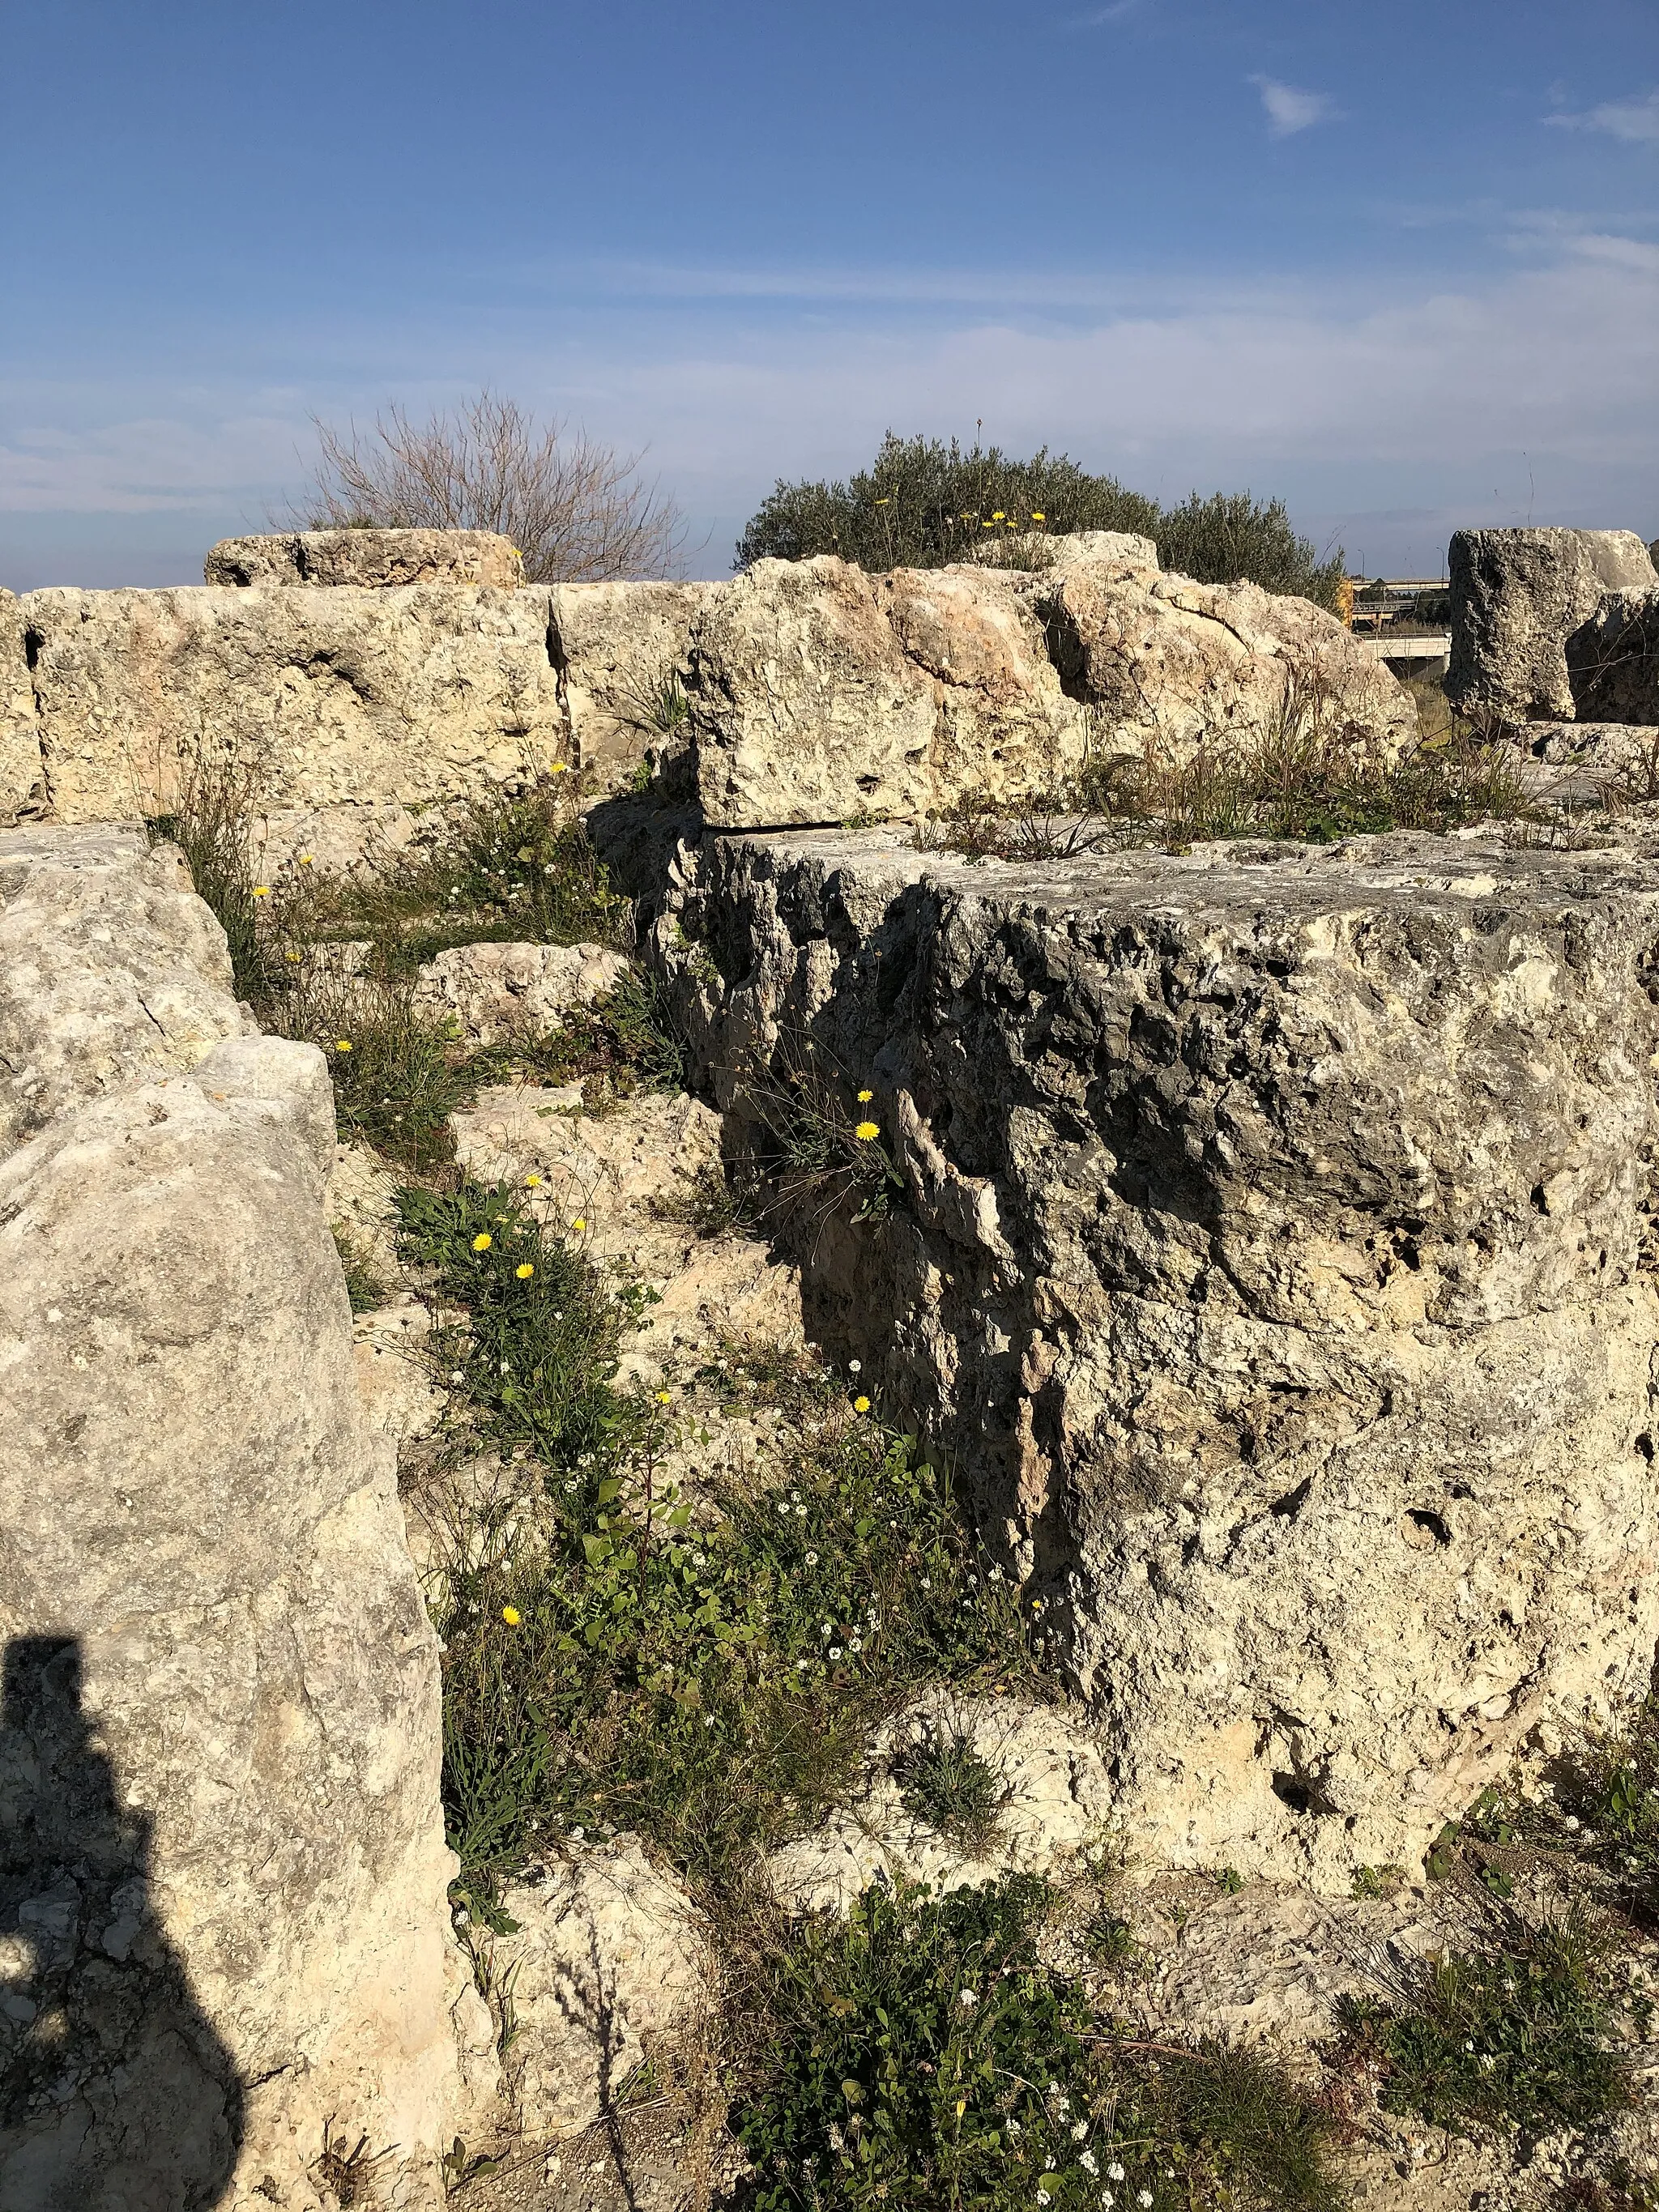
1400,265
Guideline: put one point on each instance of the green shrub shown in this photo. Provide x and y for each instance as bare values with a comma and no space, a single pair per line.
1229,537
398,1072
1519,2030
627,1042
922,2055
923,503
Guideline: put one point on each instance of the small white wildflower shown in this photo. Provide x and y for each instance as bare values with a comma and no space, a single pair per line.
928,1582
811,1558
1081,2131
699,1559
709,1720
855,1645
967,1999
1014,2128
800,1666
800,1513
1143,2197
835,1650
1042,2196
856,1366
1087,2163
826,1629
1115,2172
569,1486
1107,2199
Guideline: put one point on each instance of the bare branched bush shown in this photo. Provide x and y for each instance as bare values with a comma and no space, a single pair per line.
577,509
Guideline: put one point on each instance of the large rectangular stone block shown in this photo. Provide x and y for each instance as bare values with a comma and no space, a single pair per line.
1274,1257
341,695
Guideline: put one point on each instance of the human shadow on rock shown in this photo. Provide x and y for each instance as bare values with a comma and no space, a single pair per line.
116,2094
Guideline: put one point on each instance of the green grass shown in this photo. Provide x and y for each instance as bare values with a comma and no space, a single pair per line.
944,1781
626,1042
921,2054
366,1286
210,821
1521,2030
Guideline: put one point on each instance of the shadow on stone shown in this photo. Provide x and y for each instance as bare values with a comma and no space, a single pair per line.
116,2094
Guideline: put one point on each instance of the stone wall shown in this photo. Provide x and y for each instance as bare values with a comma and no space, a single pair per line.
223,1922
354,668
1517,598
1274,1259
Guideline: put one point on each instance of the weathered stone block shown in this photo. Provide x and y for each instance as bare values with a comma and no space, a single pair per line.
1517,597
375,559
222,1872
409,694
1275,1259
1613,660
20,734
622,651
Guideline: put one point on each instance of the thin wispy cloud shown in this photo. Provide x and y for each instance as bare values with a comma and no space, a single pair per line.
1635,121
1290,110
1119,12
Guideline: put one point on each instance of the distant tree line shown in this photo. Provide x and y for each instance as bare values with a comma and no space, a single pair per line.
923,503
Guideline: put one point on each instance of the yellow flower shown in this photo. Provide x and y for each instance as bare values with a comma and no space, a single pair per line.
866,1130
860,1405
884,502
580,1223
559,767
342,1044
664,1396
998,516
530,1182
524,1270
262,890
511,1615
865,1097
290,956
482,1241
1039,518
305,859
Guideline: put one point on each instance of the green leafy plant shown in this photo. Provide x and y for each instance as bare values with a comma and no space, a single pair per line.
399,1072
816,1139
922,2054
215,788
1521,2030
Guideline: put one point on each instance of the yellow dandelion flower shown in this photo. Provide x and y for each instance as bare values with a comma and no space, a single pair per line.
559,767
860,1405
866,1130
580,1223
530,1182
524,1270
663,1397
342,1044
511,1615
998,516
290,956
305,859
865,1097
262,890
1038,517
482,1241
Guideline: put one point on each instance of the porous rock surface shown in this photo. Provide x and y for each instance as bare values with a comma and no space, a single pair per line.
338,695
376,559
493,992
819,694
619,649
19,737
1517,597
222,1872
1275,1257
607,1961
1613,660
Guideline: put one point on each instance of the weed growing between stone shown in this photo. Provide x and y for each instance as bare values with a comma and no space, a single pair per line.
1520,2030
944,1781
365,1286
922,2053
627,1042
619,1655
210,821
819,1142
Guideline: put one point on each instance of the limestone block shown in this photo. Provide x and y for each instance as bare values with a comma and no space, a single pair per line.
1517,597
1613,660
1276,1266
112,971
410,695
222,1872
376,559
1191,665
1588,762
619,649
493,991
20,735
609,1960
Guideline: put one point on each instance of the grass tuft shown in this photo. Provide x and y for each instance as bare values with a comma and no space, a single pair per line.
944,1781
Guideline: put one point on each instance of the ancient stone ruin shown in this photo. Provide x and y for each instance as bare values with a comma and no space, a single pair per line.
1262,1233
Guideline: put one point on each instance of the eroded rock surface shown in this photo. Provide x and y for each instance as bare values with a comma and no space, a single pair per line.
608,1961
1274,1256
1613,660
622,652
20,735
376,559
1517,597
338,696
222,1872
493,992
